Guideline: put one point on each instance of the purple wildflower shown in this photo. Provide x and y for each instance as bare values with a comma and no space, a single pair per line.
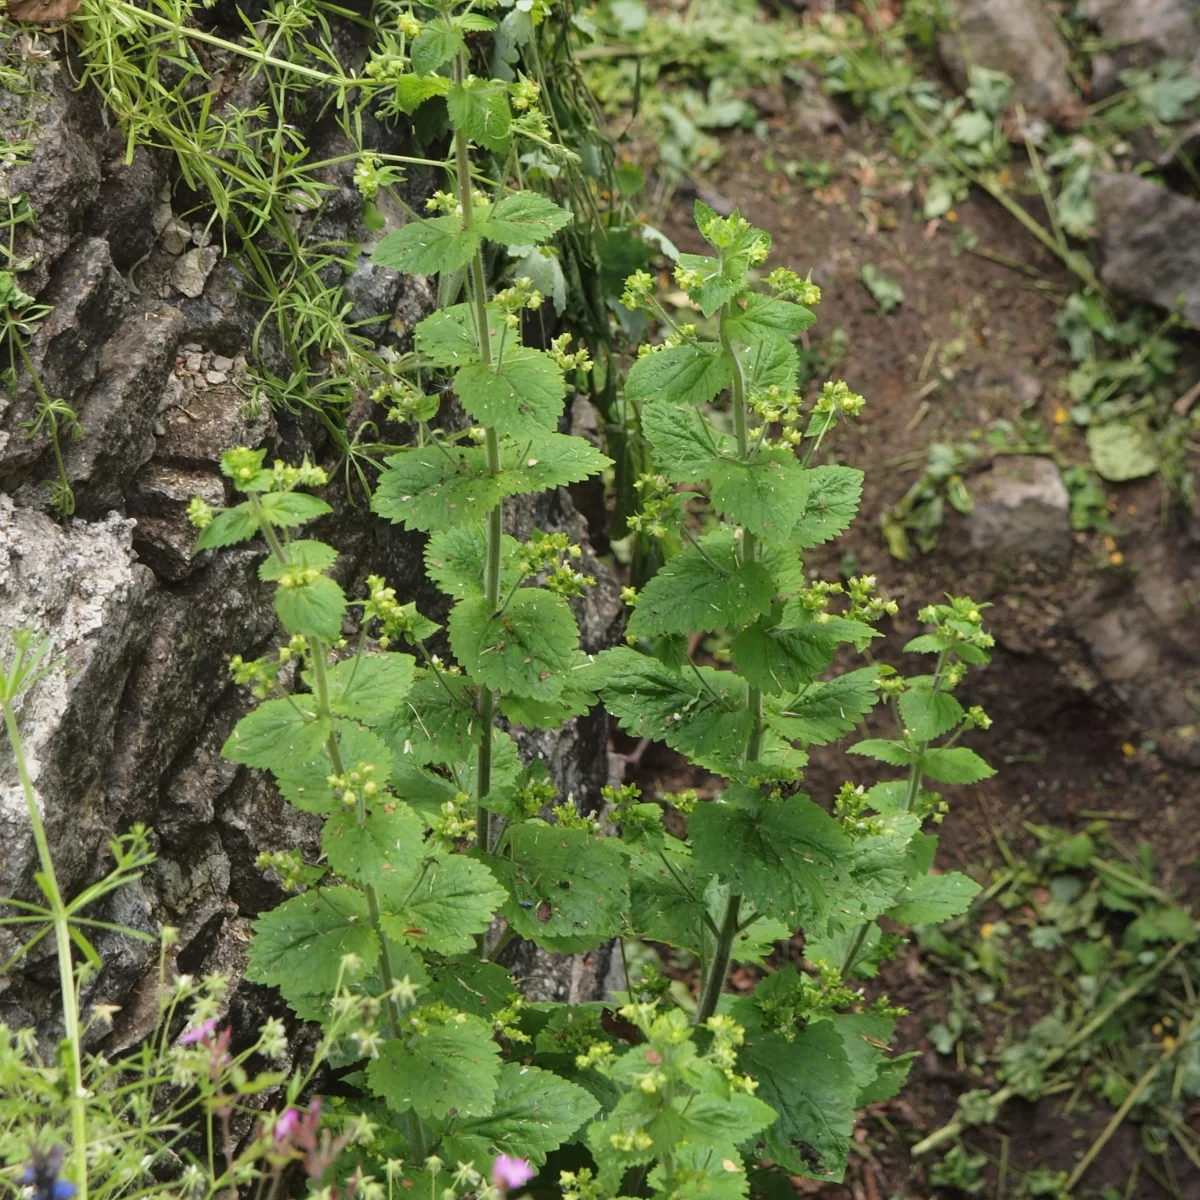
288,1123
511,1172
200,1033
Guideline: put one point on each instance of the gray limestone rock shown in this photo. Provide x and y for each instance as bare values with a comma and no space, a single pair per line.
1016,37
1149,242
1021,507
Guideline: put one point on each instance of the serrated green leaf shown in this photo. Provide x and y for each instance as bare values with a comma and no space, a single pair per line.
758,317
303,554
521,395
930,899
278,732
524,651
791,654
455,561
567,889
703,587
663,907
875,870
523,219
451,1069
703,713
430,487
313,607
809,1082
289,509
447,337
306,784
685,445
410,91
927,713
386,845
436,722
479,107
370,686
547,714
435,44
765,496
685,374
772,362
722,280
472,985
826,711
864,1035
895,754
237,524
537,463
440,903
833,498
535,1111
956,765
428,247
783,855
298,947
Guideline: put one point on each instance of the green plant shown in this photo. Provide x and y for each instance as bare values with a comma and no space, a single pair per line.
434,827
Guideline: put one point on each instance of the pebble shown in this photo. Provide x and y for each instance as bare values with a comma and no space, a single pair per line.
192,363
216,377
221,363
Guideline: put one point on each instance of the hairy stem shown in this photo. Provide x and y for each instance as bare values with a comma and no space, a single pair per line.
62,939
477,286
718,968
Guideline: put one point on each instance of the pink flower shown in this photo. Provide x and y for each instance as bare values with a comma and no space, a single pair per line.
511,1172
200,1033
288,1123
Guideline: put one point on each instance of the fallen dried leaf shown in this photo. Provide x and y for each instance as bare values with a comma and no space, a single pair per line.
41,12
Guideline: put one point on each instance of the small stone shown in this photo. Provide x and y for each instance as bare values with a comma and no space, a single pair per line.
191,347
194,363
221,363
161,218
1022,506
216,377
176,236
192,270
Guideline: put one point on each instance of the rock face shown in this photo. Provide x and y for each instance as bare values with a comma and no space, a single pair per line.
1016,37
1021,507
1142,638
1149,241
1147,31
148,340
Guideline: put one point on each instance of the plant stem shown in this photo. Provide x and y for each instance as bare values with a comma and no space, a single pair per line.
749,541
718,968
62,939
477,285
714,982
317,652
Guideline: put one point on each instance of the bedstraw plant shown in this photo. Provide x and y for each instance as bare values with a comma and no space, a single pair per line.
440,846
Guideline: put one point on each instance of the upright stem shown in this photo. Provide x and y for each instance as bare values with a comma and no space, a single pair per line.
317,652
714,983
718,968
62,940
911,792
477,285
749,541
